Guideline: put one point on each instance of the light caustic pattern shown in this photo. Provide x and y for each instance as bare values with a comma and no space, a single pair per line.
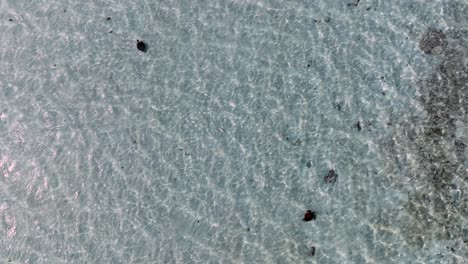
211,146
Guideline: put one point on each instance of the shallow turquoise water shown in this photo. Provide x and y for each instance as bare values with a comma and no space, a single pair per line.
209,147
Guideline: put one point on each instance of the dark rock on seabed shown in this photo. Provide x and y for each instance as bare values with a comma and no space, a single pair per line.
309,216
141,46
332,177
433,42
437,152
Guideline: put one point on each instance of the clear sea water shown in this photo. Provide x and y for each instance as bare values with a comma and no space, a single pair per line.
211,146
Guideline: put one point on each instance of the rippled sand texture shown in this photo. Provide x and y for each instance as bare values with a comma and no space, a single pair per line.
211,145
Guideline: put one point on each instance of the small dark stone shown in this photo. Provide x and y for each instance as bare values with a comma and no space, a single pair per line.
122,167
55,65
312,251
369,8
309,216
358,126
308,164
434,132
108,18
111,31
356,2
198,221
10,19
64,10
332,177
327,19
134,142
460,146
248,229
308,66
141,46
338,106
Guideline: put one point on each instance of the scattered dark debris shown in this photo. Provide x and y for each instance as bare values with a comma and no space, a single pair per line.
187,154
442,97
309,164
108,18
433,42
338,106
460,146
312,251
369,125
332,177
298,142
358,126
356,2
141,46
434,132
309,216
327,19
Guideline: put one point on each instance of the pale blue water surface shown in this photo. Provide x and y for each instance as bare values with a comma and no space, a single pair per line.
209,147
